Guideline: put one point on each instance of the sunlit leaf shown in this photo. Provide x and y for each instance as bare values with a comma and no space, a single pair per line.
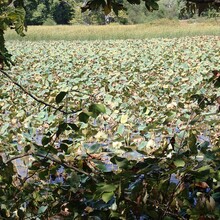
179,163
107,196
42,209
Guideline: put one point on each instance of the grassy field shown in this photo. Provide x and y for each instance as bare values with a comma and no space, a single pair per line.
156,29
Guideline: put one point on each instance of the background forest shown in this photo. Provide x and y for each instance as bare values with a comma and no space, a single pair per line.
51,12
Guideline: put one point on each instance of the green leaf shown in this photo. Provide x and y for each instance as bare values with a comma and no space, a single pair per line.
46,140
204,146
91,149
216,196
60,97
142,145
101,166
73,126
107,9
21,214
61,128
122,163
121,129
83,117
204,168
154,5
179,163
106,197
4,128
42,209
27,148
64,147
43,175
103,187
96,109
192,143
168,218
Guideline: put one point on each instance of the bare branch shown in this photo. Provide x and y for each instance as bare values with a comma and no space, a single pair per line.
35,98
18,157
63,163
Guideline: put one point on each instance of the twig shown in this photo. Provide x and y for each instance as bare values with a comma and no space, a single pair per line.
173,214
49,158
166,211
35,98
62,163
18,157
28,177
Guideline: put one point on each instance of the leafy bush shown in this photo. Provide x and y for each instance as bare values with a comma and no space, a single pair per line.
168,9
211,13
49,22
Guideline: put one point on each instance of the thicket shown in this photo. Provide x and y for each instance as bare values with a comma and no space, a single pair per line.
49,11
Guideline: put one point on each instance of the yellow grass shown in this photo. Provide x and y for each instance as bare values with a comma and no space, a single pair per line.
164,28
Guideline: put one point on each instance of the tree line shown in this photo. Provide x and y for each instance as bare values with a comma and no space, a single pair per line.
51,12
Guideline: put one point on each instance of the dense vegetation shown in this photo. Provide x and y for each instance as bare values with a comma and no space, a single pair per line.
161,28
50,12
109,129
151,151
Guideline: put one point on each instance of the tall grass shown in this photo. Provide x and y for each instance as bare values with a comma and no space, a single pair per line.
164,28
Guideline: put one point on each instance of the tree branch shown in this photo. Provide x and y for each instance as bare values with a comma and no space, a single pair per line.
35,98
63,163
18,157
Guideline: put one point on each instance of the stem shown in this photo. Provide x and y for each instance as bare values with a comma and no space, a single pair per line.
18,157
62,163
49,158
166,211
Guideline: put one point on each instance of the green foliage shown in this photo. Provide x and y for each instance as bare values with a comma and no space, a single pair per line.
39,12
66,12
143,153
116,6
49,22
10,16
169,9
211,13
63,12
122,131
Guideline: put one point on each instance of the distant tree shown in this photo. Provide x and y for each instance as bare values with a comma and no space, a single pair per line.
63,12
37,11
136,13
